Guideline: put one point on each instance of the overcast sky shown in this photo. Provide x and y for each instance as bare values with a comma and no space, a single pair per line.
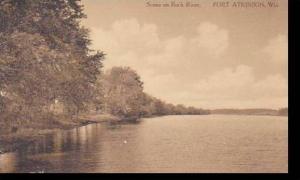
206,57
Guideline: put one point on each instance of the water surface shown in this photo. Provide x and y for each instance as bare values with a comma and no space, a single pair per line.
207,143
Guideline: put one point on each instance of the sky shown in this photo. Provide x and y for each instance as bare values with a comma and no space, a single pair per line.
207,57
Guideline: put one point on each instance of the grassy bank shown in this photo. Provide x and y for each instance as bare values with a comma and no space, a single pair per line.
24,136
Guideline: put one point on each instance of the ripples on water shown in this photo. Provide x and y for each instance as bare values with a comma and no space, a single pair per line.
207,143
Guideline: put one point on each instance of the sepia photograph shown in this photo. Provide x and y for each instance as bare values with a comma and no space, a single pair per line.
144,86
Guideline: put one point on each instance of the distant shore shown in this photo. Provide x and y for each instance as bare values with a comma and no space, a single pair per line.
257,111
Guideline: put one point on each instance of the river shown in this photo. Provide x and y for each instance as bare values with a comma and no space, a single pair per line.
204,144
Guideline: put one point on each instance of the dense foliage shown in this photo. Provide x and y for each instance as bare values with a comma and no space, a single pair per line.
44,60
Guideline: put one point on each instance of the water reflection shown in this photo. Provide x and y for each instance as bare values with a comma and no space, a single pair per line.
8,162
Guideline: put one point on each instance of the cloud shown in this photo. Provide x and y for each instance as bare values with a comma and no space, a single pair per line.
240,83
129,36
126,35
231,87
235,87
191,70
212,38
277,49
228,83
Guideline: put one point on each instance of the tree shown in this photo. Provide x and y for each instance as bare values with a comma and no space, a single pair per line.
283,112
123,92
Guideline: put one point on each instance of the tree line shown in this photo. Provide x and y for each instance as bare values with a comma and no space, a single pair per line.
48,71
253,111
123,96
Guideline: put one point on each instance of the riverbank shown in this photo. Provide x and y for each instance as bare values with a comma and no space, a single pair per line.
12,141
